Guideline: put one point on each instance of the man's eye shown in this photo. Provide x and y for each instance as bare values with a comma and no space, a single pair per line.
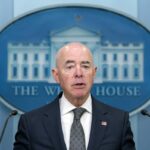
86,66
69,67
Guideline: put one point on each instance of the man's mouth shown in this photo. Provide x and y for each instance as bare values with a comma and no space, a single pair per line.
79,85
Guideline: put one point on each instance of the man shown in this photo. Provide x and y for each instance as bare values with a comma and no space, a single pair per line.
55,126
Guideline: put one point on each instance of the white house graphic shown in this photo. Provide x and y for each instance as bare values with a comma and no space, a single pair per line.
117,62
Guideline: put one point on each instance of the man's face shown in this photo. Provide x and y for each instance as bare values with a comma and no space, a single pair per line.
75,71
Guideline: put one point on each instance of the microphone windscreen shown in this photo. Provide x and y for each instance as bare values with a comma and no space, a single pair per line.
14,112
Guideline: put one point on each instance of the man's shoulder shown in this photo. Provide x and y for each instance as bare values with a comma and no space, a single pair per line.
49,108
106,108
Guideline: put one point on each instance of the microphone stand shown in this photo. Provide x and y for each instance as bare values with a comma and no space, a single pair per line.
145,112
13,113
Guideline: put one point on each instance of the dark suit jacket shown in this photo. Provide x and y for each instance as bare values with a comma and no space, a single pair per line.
41,129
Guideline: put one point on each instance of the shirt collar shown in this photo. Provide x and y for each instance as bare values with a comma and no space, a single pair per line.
66,106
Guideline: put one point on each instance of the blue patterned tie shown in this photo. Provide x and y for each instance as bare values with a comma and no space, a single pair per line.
77,137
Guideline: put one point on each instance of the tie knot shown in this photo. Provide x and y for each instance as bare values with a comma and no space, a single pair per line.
78,113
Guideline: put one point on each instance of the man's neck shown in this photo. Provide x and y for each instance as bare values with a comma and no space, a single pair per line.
78,101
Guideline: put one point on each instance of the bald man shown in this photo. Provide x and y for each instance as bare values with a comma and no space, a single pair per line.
55,127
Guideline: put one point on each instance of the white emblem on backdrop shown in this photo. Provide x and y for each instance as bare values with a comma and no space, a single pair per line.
116,62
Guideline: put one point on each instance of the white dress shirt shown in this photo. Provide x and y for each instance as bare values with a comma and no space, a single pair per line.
67,119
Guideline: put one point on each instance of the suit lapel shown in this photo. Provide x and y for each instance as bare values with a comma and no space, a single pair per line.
52,124
98,127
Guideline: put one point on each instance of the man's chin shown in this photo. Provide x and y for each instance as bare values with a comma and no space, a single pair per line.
80,95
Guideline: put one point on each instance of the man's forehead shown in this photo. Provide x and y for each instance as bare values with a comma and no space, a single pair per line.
75,46
74,51
74,61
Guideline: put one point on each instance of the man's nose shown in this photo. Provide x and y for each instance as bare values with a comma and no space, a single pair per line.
78,71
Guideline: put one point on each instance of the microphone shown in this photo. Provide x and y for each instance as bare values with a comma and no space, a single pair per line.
145,112
12,113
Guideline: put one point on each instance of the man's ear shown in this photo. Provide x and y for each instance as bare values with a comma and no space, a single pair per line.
95,70
55,75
